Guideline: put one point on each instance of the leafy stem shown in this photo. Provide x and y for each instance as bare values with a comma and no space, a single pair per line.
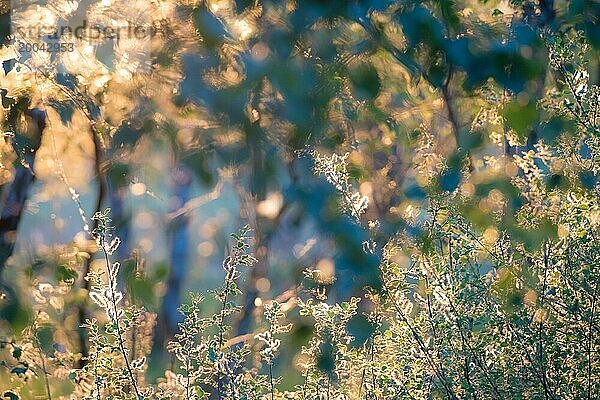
115,321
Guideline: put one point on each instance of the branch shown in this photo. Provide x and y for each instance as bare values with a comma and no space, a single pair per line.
115,320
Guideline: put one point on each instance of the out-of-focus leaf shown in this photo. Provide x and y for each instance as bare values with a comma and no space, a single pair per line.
65,273
520,117
45,337
16,314
365,81
19,371
209,28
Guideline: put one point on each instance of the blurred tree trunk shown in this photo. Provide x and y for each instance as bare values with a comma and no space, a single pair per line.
260,270
26,142
101,194
263,226
100,176
120,216
15,194
179,243
258,192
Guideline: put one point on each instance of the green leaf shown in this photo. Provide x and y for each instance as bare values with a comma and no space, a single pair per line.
16,353
45,336
365,81
520,117
66,274
19,371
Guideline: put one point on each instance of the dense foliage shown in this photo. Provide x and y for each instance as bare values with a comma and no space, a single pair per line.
417,181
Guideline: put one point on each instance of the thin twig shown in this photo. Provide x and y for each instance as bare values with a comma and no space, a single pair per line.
541,324
271,381
221,318
438,371
43,362
464,340
187,384
589,344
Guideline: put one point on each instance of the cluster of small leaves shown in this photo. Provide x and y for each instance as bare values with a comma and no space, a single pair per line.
485,314
327,357
206,361
109,371
270,343
191,352
106,373
38,355
464,317
578,100
462,314
335,169
273,315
